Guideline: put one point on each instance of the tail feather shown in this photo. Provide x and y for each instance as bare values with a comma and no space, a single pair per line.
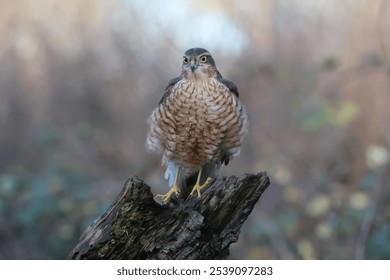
210,170
187,178
170,173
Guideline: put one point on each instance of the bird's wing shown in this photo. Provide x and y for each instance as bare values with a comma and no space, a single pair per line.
233,89
168,88
231,86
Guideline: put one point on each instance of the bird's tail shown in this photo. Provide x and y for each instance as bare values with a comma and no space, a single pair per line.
210,170
170,173
187,178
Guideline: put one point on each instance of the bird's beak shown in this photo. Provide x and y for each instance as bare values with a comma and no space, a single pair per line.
193,65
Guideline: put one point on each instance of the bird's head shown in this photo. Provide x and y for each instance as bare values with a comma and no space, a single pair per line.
198,64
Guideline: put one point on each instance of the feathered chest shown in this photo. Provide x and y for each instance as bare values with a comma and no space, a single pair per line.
197,122
199,99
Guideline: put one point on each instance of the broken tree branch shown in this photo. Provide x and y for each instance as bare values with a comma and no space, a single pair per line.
137,227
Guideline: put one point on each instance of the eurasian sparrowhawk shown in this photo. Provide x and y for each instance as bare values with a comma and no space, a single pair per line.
198,124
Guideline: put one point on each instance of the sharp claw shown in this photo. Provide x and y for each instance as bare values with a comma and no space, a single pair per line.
166,198
197,188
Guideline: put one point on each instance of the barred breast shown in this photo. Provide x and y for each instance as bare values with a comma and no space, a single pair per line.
198,123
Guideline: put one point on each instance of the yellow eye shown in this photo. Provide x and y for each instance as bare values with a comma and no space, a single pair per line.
185,60
203,58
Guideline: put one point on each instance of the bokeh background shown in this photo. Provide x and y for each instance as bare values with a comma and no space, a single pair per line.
78,80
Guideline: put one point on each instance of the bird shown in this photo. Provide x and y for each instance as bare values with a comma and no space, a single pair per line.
198,125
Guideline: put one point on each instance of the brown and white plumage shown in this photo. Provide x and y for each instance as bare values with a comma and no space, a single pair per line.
198,125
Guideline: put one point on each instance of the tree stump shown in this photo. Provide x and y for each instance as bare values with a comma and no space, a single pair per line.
137,227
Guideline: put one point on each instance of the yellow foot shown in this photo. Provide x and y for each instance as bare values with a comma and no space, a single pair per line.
166,198
197,188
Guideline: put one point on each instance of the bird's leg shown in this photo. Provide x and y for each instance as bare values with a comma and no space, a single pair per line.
166,198
198,187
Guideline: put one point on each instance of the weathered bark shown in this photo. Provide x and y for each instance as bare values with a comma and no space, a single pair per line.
136,227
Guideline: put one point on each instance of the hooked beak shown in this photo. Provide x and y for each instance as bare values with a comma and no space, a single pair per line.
193,65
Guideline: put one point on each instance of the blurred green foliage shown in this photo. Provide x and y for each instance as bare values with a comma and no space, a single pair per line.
46,212
339,115
325,223
378,246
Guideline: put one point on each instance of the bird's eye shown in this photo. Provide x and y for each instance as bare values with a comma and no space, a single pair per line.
203,58
185,60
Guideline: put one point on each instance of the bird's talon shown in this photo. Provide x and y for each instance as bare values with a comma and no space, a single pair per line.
166,198
197,188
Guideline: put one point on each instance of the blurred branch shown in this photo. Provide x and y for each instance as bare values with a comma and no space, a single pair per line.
136,227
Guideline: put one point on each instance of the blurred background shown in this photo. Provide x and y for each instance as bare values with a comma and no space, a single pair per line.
78,80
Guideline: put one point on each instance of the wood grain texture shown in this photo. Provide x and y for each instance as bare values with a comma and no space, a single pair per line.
136,227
